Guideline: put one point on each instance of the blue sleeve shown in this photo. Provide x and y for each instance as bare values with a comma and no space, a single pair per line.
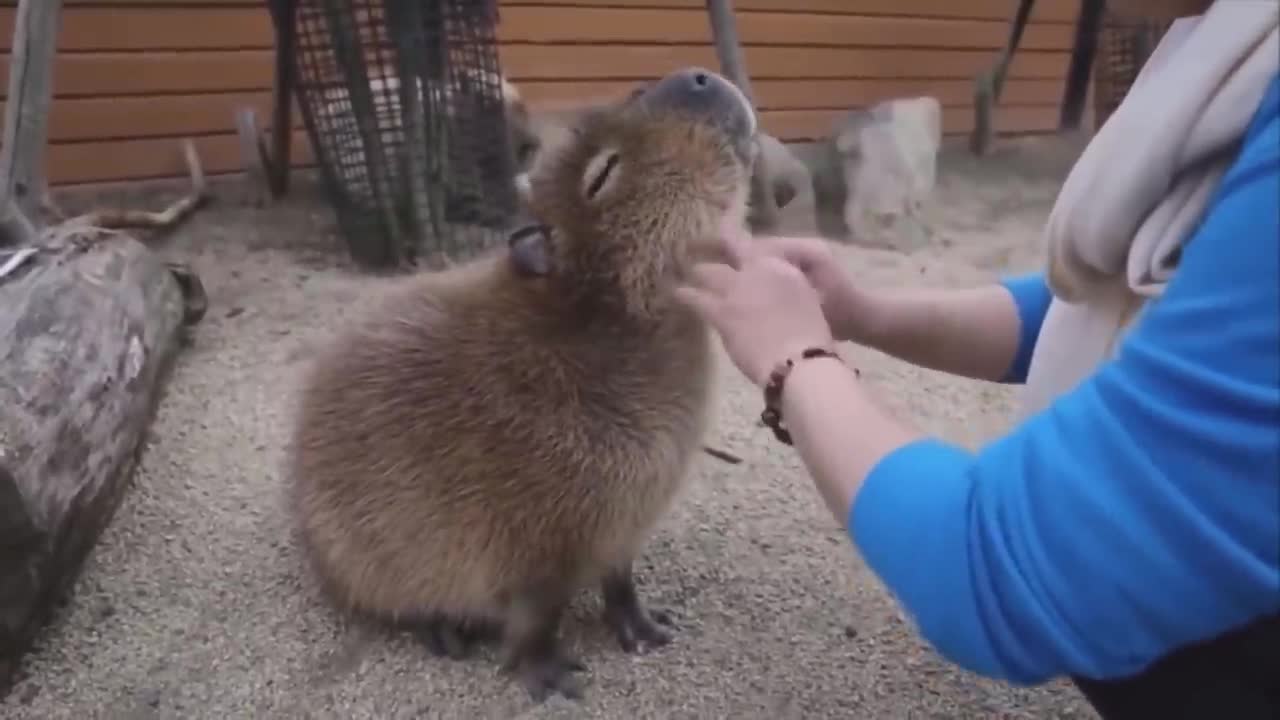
1031,297
1141,511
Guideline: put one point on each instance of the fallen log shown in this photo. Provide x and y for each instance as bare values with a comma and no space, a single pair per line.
90,321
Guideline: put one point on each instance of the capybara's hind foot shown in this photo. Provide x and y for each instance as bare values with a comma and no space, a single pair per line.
546,673
633,625
454,638
533,653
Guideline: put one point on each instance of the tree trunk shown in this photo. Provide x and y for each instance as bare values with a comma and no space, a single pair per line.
763,201
89,325
23,188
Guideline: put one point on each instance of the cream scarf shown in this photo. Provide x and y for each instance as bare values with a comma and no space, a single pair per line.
1142,184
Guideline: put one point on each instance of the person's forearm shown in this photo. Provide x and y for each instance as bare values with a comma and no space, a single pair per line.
838,429
971,332
903,498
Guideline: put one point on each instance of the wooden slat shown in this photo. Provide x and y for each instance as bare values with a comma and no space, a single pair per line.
536,62
79,119
155,3
209,28
102,161
798,125
111,160
837,93
153,28
104,74
1045,10
850,93
690,27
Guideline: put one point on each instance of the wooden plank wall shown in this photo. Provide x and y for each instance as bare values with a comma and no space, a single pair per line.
135,76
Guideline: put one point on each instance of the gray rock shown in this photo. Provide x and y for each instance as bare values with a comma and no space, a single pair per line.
790,181
889,158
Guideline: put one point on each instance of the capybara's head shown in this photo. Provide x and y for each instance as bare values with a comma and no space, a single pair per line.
636,183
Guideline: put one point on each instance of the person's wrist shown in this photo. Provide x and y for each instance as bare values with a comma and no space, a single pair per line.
853,315
809,377
817,367
793,352
791,377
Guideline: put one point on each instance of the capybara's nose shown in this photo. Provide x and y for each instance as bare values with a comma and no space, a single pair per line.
704,94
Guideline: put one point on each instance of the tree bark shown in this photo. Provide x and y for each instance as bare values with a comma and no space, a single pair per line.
763,201
89,326
22,149
990,84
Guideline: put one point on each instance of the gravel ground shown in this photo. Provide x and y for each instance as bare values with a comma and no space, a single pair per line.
195,604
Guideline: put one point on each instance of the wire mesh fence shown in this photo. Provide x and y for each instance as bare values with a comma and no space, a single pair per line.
1124,45
403,104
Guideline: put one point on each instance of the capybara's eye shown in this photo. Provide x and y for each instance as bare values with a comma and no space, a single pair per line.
599,172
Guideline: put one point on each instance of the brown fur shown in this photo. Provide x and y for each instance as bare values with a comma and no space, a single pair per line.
481,437
521,133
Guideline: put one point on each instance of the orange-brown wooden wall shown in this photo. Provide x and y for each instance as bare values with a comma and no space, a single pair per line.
133,77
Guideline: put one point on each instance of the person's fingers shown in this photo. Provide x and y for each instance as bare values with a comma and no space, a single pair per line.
736,246
700,301
733,241
780,275
713,277
804,255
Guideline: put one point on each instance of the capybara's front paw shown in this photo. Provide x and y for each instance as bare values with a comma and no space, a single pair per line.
636,628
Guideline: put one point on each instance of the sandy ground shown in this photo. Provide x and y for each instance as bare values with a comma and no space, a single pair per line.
195,605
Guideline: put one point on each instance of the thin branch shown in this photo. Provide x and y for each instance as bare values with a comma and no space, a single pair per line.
719,454
254,156
49,206
16,259
119,218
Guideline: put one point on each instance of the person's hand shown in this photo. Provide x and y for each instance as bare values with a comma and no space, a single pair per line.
841,300
763,307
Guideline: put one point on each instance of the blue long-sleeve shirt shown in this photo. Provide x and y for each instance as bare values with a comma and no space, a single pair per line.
1141,511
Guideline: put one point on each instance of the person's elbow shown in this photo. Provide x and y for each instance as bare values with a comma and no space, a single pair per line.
913,522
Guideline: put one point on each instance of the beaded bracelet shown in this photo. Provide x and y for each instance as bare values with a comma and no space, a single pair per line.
772,415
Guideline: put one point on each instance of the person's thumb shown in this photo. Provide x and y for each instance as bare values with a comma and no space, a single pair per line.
806,255
700,301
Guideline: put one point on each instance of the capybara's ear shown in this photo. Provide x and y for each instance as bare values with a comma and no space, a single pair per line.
637,91
524,189
530,249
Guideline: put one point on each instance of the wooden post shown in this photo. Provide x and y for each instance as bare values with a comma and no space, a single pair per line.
990,84
284,13
1075,92
724,29
22,154
728,50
